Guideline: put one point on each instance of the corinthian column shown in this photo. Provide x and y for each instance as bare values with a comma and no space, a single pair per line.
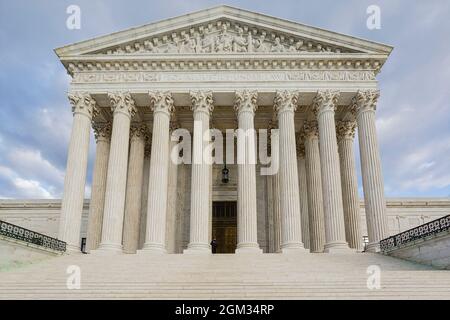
83,108
155,237
364,105
285,104
123,109
245,106
102,133
303,191
314,187
345,134
133,202
202,105
324,106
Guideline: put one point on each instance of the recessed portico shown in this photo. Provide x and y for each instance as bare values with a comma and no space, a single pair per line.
270,75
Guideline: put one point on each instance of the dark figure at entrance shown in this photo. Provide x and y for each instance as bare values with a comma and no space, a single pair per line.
214,245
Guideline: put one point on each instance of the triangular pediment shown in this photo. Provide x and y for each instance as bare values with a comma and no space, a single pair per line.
223,30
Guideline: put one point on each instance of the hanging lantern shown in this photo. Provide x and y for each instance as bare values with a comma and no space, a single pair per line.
225,172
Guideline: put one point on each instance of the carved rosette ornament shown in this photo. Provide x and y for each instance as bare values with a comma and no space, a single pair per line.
102,131
83,103
346,130
365,100
122,102
325,100
310,129
202,101
286,100
246,101
138,131
162,101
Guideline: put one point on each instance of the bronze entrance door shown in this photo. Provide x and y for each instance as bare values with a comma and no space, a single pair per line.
224,225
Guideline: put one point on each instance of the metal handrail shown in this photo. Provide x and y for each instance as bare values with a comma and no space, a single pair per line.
36,238
422,231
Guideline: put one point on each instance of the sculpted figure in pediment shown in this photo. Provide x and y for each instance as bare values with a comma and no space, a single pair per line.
277,46
188,44
240,42
224,42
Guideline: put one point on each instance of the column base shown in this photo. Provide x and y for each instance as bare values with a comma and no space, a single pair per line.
295,247
248,248
198,248
373,247
152,248
337,247
108,248
71,249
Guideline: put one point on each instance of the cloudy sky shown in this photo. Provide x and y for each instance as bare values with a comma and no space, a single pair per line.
413,112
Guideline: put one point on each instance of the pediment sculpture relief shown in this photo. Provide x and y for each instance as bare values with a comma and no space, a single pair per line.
222,39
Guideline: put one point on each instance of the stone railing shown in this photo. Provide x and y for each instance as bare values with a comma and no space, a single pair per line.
15,232
420,232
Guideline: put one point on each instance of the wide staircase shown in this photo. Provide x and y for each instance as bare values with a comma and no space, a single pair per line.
266,276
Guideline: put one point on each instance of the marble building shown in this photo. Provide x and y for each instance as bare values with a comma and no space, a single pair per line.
225,68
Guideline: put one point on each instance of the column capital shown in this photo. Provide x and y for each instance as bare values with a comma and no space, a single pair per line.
162,101
83,103
325,100
139,130
346,130
246,101
364,100
102,131
122,102
202,101
286,100
310,129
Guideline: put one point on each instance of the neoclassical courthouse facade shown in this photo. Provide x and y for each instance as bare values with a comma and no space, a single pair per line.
224,68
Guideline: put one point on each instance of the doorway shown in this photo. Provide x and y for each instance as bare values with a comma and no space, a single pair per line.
224,225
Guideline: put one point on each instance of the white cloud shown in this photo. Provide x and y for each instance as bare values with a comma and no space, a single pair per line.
31,189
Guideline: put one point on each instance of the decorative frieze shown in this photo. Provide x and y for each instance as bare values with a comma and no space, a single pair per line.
223,36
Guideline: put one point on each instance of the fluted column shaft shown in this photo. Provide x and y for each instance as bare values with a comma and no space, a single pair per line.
172,202
276,212
162,105
123,109
364,105
314,187
245,107
143,219
202,106
353,233
285,104
98,188
83,108
303,190
324,105
134,189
